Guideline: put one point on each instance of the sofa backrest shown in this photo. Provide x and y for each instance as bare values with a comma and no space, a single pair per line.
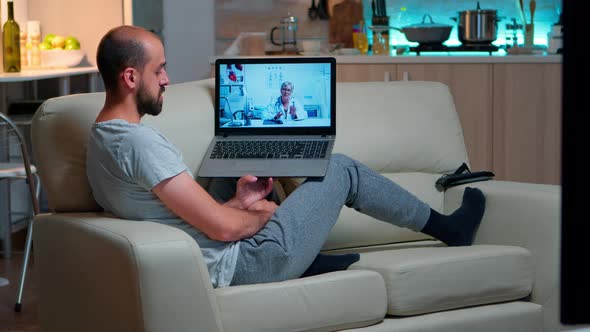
391,126
401,126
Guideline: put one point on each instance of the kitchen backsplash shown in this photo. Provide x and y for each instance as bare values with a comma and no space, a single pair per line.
235,16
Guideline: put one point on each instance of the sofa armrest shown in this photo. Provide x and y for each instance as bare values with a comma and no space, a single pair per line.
106,274
525,215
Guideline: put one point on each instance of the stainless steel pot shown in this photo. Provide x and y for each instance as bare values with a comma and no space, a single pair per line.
426,33
479,26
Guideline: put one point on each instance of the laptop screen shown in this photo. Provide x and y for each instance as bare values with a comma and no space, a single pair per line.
275,96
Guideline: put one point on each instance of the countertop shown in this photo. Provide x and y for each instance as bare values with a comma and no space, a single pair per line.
44,73
435,57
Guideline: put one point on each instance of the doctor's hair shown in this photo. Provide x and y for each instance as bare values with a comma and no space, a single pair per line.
289,84
120,48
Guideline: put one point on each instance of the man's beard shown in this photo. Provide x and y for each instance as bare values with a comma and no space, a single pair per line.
147,104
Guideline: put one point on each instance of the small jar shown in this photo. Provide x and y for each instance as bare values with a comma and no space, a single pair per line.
24,62
33,41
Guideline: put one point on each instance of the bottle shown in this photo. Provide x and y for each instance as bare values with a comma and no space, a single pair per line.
11,42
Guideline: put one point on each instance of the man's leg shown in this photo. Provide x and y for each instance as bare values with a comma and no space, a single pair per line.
293,237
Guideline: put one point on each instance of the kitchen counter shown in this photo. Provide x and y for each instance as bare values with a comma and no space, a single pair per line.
437,57
45,73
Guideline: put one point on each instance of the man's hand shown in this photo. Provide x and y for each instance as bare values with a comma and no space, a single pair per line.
250,190
265,207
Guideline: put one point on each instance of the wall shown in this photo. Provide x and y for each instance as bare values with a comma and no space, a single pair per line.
188,29
189,38
88,21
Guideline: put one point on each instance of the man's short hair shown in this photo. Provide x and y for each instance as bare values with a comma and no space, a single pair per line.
117,50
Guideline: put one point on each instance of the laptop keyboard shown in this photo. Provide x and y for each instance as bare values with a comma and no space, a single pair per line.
305,149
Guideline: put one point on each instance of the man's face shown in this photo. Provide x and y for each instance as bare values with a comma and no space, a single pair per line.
153,80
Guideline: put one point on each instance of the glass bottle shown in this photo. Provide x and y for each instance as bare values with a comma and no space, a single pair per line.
11,42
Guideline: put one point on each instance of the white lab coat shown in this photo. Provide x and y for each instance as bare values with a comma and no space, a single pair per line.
277,106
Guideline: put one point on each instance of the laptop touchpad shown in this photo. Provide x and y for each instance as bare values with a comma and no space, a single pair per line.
252,165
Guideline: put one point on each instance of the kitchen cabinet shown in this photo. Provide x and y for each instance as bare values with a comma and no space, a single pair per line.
366,72
527,122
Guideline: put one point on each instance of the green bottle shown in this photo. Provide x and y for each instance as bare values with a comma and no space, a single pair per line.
11,42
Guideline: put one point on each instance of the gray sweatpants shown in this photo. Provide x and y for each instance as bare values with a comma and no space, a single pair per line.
295,234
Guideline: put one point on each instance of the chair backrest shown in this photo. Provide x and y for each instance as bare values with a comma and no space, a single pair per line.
15,153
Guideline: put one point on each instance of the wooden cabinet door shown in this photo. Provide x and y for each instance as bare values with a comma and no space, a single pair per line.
471,87
365,72
527,122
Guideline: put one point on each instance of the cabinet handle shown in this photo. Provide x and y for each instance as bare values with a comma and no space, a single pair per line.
406,76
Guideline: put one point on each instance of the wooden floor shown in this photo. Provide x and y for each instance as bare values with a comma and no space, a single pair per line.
26,320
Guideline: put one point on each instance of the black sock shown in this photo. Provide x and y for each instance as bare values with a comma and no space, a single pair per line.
458,229
330,263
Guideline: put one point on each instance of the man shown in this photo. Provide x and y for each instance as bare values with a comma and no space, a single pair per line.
137,174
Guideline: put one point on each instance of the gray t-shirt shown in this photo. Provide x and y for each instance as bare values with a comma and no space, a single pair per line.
124,162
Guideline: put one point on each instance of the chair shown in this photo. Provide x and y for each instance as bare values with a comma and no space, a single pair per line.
17,165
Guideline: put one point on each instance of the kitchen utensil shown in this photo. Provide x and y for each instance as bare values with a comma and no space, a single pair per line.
288,31
426,33
479,26
323,10
312,12
521,11
532,7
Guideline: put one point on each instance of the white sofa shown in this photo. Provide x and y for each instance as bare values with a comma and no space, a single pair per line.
100,273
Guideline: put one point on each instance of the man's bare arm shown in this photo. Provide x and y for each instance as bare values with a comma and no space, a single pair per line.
193,204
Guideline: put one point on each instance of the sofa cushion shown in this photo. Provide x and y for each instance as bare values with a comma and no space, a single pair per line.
327,302
424,280
515,316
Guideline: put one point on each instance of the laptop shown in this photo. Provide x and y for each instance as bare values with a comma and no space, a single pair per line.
274,117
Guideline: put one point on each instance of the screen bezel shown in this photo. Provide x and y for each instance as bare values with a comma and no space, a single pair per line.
331,130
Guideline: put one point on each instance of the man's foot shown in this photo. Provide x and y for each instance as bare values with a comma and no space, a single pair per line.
330,263
458,229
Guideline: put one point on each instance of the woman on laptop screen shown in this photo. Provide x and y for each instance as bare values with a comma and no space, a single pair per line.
286,107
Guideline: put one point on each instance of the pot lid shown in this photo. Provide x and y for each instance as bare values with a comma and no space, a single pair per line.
479,10
427,25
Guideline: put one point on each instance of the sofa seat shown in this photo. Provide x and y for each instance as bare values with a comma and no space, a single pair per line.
426,280
327,302
517,316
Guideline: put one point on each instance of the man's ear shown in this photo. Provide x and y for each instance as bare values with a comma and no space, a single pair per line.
130,77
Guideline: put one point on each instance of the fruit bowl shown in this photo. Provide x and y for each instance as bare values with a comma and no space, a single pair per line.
61,58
